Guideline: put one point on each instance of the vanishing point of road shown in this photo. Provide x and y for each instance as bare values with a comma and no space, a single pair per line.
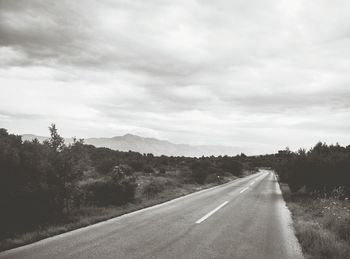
245,218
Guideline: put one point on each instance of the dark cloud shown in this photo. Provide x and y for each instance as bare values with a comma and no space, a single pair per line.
257,73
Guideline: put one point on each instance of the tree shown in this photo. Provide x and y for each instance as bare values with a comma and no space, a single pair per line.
60,177
55,141
231,165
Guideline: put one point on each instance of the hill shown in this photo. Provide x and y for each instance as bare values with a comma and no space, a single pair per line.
151,145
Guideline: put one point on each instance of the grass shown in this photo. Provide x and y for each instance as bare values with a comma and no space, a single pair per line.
86,216
322,224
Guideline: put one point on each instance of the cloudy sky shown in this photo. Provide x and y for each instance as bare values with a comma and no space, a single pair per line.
259,74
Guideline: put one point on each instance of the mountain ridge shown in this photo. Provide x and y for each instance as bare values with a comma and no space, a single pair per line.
131,142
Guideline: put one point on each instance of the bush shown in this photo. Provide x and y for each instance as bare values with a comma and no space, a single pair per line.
105,166
200,171
111,191
213,178
231,165
148,169
152,189
137,165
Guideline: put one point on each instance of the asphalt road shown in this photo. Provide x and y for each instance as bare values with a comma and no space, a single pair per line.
246,218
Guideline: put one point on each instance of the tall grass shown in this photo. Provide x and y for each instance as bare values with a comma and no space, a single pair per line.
322,224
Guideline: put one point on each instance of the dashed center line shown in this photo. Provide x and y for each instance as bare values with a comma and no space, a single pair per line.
219,207
211,213
246,188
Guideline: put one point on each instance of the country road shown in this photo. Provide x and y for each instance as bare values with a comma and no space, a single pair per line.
246,218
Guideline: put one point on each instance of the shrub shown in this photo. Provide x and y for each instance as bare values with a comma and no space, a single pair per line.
231,165
200,171
137,165
213,178
105,166
148,169
152,189
111,191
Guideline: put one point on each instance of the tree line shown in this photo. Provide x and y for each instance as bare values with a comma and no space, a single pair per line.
319,170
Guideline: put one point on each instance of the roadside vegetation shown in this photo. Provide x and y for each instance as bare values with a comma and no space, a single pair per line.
316,187
322,223
50,188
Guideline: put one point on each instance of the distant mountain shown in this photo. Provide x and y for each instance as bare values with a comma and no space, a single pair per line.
151,145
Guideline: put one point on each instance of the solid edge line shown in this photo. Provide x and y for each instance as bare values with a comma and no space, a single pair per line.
98,224
211,213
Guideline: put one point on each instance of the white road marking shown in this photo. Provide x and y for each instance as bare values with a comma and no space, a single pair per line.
246,188
211,213
252,182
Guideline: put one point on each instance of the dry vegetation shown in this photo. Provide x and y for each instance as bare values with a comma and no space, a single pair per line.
316,188
50,188
152,190
322,224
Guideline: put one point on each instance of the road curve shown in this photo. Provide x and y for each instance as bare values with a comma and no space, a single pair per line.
246,218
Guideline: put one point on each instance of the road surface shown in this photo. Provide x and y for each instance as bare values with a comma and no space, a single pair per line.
246,218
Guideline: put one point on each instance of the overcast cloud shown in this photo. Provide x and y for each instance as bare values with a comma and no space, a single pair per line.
262,74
